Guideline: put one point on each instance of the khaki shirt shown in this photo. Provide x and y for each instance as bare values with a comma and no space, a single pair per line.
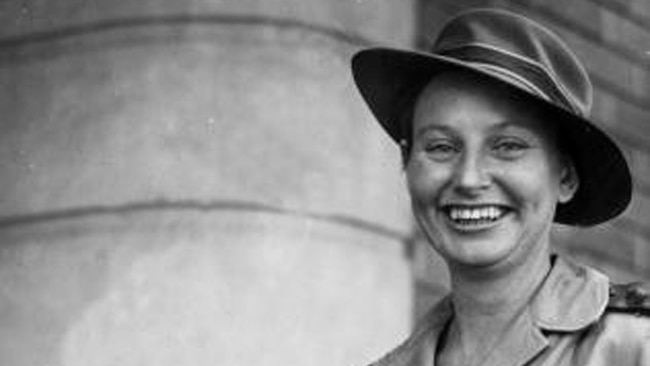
566,323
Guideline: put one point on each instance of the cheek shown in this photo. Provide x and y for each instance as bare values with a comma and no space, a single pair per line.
536,186
424,180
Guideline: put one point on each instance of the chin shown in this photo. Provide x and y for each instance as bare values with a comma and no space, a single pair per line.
477,260
474,252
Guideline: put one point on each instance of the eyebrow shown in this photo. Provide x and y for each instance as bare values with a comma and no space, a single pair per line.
511,124
498,126
423,130
535,130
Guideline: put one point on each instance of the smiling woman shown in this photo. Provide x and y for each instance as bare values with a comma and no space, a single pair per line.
497,144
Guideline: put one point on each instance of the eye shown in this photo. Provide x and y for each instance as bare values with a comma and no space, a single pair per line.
510,147
441,149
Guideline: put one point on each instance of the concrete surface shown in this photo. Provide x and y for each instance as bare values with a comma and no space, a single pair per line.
196,190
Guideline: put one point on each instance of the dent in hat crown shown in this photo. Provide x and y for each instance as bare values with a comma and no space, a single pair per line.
521,51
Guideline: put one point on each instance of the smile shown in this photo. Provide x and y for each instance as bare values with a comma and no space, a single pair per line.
474,216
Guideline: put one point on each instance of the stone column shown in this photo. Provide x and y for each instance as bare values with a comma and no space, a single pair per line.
197,183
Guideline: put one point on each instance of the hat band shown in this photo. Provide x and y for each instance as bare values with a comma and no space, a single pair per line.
535,78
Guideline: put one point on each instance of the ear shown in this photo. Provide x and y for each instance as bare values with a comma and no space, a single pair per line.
569,182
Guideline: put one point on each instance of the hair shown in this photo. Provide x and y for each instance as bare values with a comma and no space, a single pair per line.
405,121
404,117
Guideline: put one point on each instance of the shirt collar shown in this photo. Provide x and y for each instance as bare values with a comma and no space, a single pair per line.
571,297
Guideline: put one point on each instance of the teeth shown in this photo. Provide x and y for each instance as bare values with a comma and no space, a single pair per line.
483,213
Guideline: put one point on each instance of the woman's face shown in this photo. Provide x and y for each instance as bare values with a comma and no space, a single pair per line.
484,172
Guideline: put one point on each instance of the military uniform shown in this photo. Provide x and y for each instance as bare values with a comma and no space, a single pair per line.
577,318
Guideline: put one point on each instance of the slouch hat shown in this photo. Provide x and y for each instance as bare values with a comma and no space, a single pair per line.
511,49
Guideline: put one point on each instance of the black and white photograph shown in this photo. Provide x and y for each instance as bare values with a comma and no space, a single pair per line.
325,183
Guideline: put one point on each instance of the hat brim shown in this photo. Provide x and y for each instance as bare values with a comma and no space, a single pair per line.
390,79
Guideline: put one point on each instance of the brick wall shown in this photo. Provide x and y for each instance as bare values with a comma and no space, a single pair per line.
612,37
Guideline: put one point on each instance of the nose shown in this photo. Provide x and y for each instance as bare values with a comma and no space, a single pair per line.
472,173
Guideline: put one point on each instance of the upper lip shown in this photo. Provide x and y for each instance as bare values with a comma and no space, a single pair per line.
447,208
473,205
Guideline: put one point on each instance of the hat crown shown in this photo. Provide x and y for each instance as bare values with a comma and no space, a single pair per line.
523,52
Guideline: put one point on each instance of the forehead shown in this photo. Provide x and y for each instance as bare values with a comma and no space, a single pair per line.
459,100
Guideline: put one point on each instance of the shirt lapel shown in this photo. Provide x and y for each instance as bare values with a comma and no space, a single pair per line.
521,343
436,323
420,348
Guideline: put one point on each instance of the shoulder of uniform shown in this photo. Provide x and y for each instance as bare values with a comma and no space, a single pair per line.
630,298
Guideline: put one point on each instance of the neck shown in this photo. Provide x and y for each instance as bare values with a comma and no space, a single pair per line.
487,300
485,290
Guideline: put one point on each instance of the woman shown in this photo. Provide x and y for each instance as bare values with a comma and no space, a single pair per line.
497,145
